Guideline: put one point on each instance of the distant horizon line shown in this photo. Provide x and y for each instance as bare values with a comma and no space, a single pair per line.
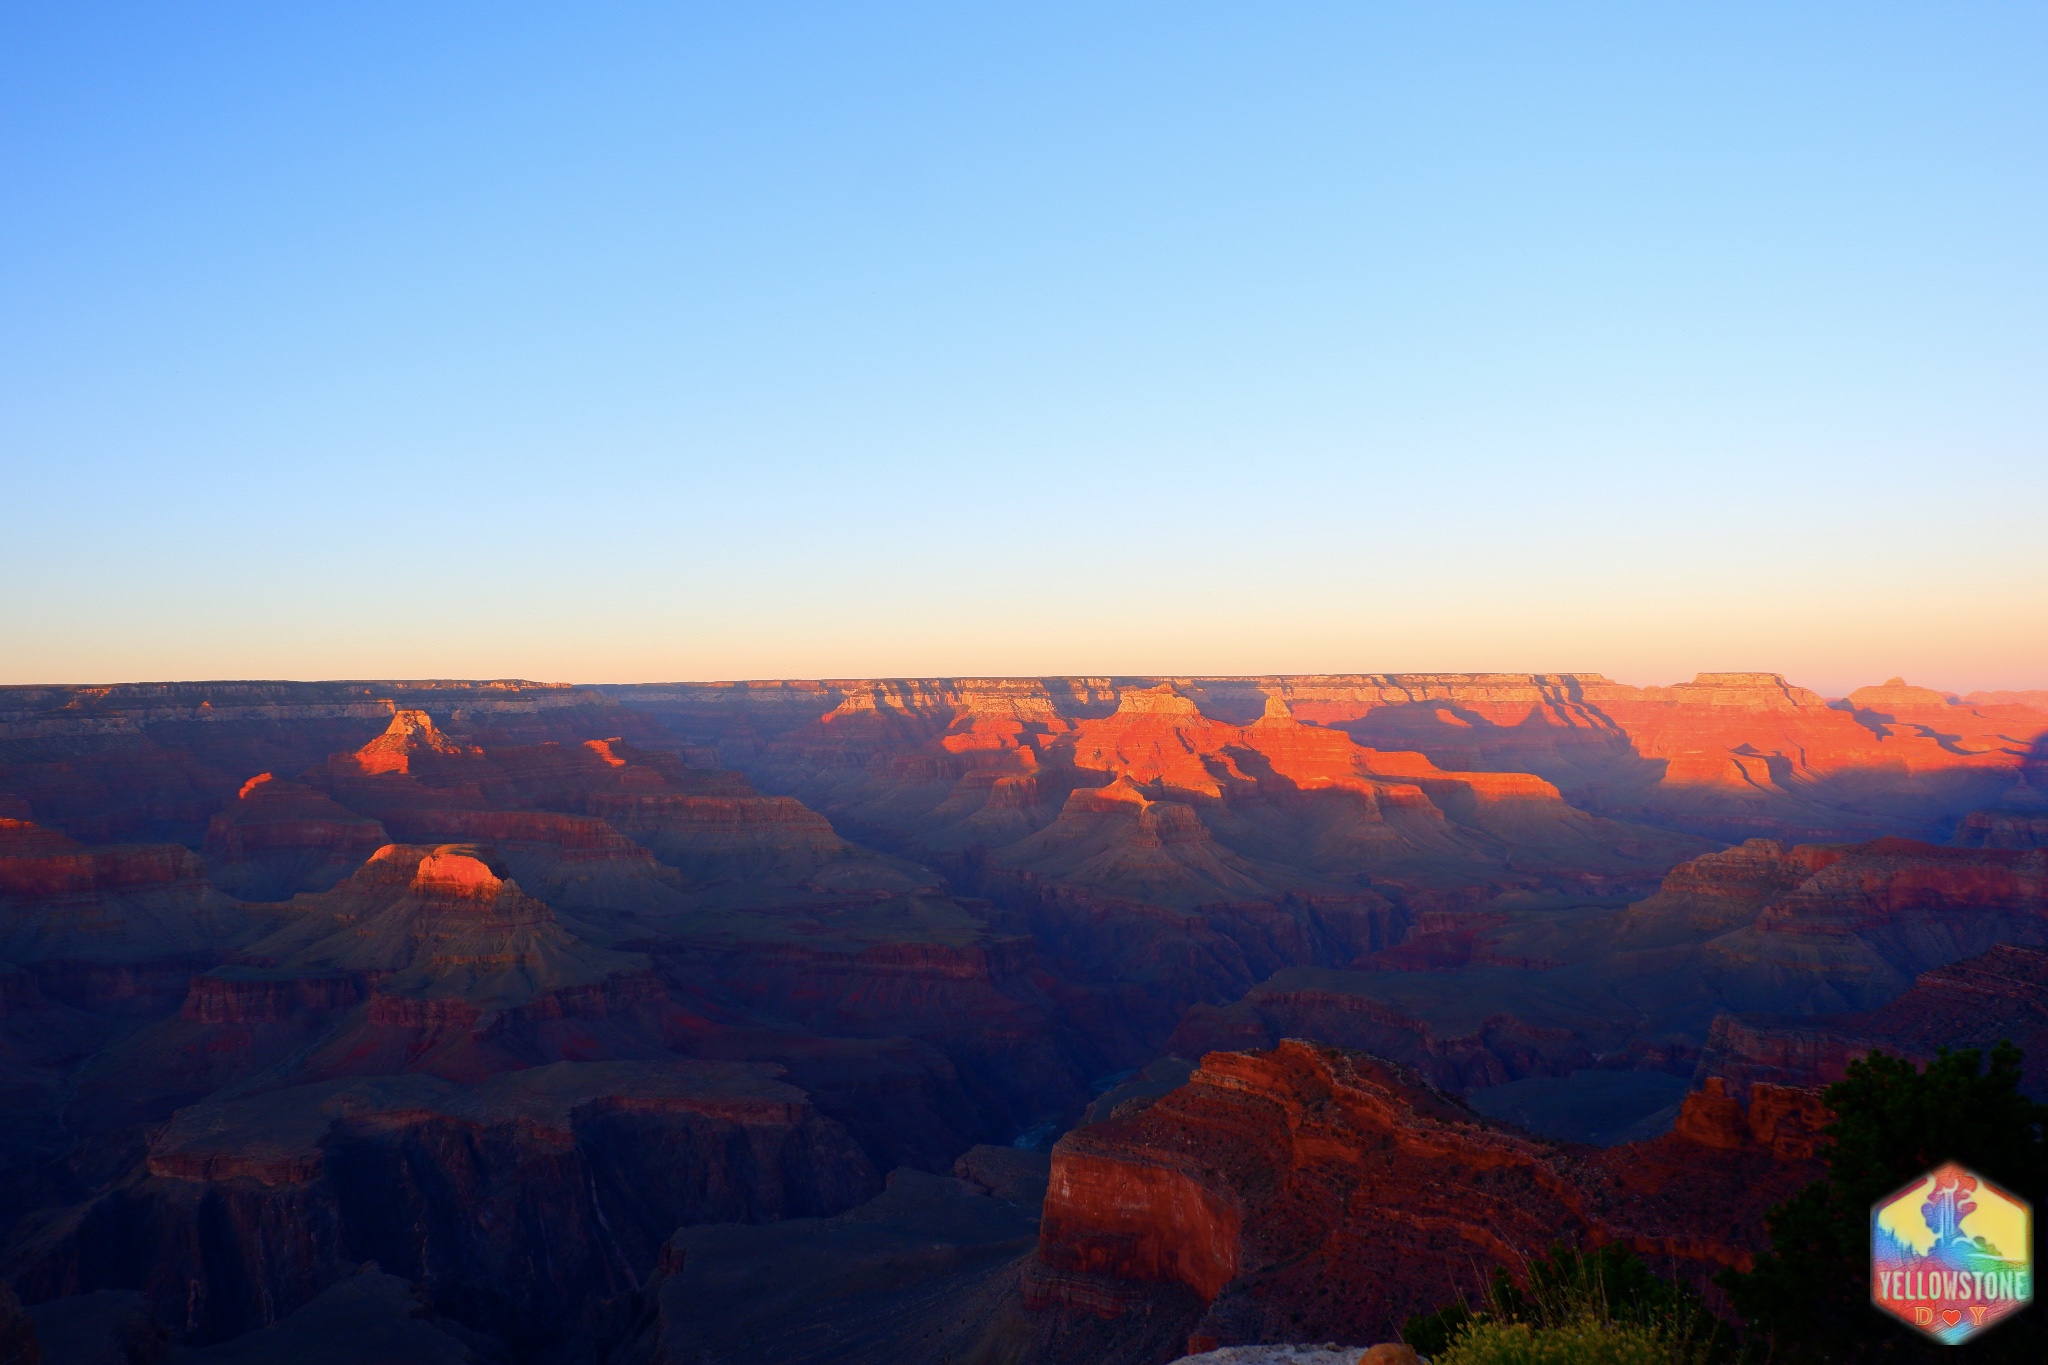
1700,678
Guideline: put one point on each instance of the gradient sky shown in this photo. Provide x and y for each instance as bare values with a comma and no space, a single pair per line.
623,342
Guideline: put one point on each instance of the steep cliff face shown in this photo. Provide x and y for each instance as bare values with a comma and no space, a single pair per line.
112,928
525,1200
280,838
1313,1192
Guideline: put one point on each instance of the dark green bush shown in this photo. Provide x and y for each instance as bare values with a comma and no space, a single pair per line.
1809,1296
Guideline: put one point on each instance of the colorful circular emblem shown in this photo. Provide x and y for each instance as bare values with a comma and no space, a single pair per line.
1951,1254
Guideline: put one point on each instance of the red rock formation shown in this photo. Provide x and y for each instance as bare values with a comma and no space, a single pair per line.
411,741
1728,754
116,928
1814,929
280,838
710,826
1308,1192
40,864
2002,829
1339,1008
1786,1119
156,760
255,1204
1997,995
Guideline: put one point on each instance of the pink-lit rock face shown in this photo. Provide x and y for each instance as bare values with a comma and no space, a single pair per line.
447,874
410,740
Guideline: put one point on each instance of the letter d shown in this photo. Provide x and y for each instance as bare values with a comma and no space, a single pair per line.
1924,1316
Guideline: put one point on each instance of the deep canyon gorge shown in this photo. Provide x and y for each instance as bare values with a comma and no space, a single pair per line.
1013,1020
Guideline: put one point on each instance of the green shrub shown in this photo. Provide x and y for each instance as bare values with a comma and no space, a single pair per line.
1598,1306
1810,1294
1581,1343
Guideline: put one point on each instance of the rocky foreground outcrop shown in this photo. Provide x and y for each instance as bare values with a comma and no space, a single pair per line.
1309,1192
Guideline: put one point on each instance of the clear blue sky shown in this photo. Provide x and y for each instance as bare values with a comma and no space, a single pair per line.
638,342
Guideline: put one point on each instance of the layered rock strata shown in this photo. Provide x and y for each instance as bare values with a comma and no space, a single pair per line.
1311,1191
525,1200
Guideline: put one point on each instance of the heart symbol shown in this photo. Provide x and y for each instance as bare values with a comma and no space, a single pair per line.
1951,1316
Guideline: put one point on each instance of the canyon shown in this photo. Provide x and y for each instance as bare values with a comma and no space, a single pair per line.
1024,1020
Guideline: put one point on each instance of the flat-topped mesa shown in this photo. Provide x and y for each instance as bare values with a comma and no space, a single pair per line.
1748,691
1163,700
1896,695
463,974
419,885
